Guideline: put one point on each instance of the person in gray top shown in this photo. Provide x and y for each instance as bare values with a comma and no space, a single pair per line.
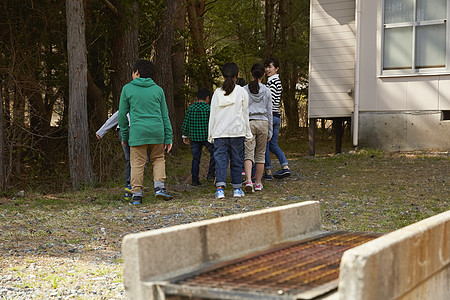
111,123
260,116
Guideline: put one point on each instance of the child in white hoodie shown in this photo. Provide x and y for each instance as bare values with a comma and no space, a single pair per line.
228,129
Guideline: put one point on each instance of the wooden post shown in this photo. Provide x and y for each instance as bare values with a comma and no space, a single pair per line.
312,137
337,123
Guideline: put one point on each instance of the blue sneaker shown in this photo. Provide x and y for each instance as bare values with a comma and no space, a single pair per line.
220,194
128,194
283,173
238,193
137,200
161,193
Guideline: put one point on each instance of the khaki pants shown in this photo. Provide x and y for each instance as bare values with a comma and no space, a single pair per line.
255,149
138,158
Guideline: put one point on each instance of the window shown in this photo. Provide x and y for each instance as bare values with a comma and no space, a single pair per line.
415,36
445,115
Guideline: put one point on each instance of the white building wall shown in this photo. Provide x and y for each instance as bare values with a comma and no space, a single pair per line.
397,112
394,112
393,93
332,58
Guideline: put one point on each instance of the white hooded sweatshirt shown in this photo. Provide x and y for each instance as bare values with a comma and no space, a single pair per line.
229,115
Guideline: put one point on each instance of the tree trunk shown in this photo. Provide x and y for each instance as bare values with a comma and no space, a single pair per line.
78,138
2,154
289,72
96,105
269,16
124,46
196,11
163,65
289,98
178,71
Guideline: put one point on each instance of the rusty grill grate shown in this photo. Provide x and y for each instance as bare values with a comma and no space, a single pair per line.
289,269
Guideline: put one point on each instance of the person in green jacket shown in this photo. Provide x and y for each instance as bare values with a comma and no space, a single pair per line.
149,130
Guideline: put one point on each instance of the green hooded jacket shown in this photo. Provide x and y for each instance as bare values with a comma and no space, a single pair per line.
144,100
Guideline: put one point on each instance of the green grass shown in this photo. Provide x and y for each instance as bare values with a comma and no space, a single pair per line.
358,190
362,190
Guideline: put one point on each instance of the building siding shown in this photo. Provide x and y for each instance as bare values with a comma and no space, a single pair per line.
394,112
332,58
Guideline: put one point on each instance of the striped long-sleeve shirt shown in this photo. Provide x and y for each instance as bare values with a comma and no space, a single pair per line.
274,85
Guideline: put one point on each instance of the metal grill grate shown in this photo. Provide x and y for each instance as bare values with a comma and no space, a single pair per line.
289,269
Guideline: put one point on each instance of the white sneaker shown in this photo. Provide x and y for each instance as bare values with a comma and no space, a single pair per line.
220,194
238,193
249,187
258,187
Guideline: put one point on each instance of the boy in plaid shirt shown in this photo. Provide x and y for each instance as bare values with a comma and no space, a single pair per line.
195,130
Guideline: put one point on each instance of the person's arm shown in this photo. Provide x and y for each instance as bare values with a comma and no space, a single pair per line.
124,109
168,133
185,126
269,113
110,123
248,131
212,118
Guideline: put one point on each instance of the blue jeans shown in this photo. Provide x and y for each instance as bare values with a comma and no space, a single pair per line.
126,152
273,146
196,149
229,150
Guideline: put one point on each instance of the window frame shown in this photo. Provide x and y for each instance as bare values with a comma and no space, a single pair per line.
415,24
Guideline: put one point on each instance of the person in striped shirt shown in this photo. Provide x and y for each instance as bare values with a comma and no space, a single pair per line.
274,84
195,130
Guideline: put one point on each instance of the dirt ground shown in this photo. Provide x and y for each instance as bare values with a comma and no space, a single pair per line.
68,245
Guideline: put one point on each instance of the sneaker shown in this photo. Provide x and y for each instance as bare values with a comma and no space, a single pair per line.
161,193
128,194
219,194
258,187
283,173
196,182
137,200
249,187
267,177
238,193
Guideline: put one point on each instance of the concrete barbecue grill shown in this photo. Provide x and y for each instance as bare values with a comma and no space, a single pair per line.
303,269
281,253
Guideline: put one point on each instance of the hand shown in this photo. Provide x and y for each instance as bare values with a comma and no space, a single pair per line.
268,140
168,147
186,141
98,137
124,144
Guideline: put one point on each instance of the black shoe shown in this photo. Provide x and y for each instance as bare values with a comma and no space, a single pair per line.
267,177
196,182
210,177
283,173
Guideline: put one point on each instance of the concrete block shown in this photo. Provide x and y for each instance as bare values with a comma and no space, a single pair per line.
404,130
376,130
410,263
164,253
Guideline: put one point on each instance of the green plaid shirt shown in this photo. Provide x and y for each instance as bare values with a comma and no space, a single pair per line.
195,124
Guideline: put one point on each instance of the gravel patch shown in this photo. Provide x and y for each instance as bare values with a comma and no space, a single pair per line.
69,246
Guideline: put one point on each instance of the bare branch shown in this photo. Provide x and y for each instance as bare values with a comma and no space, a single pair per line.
112,7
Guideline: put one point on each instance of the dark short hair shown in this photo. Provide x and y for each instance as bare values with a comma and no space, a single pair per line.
203,93
241,81
145,67
273,61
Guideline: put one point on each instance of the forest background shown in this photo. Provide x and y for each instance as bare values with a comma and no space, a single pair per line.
63,65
